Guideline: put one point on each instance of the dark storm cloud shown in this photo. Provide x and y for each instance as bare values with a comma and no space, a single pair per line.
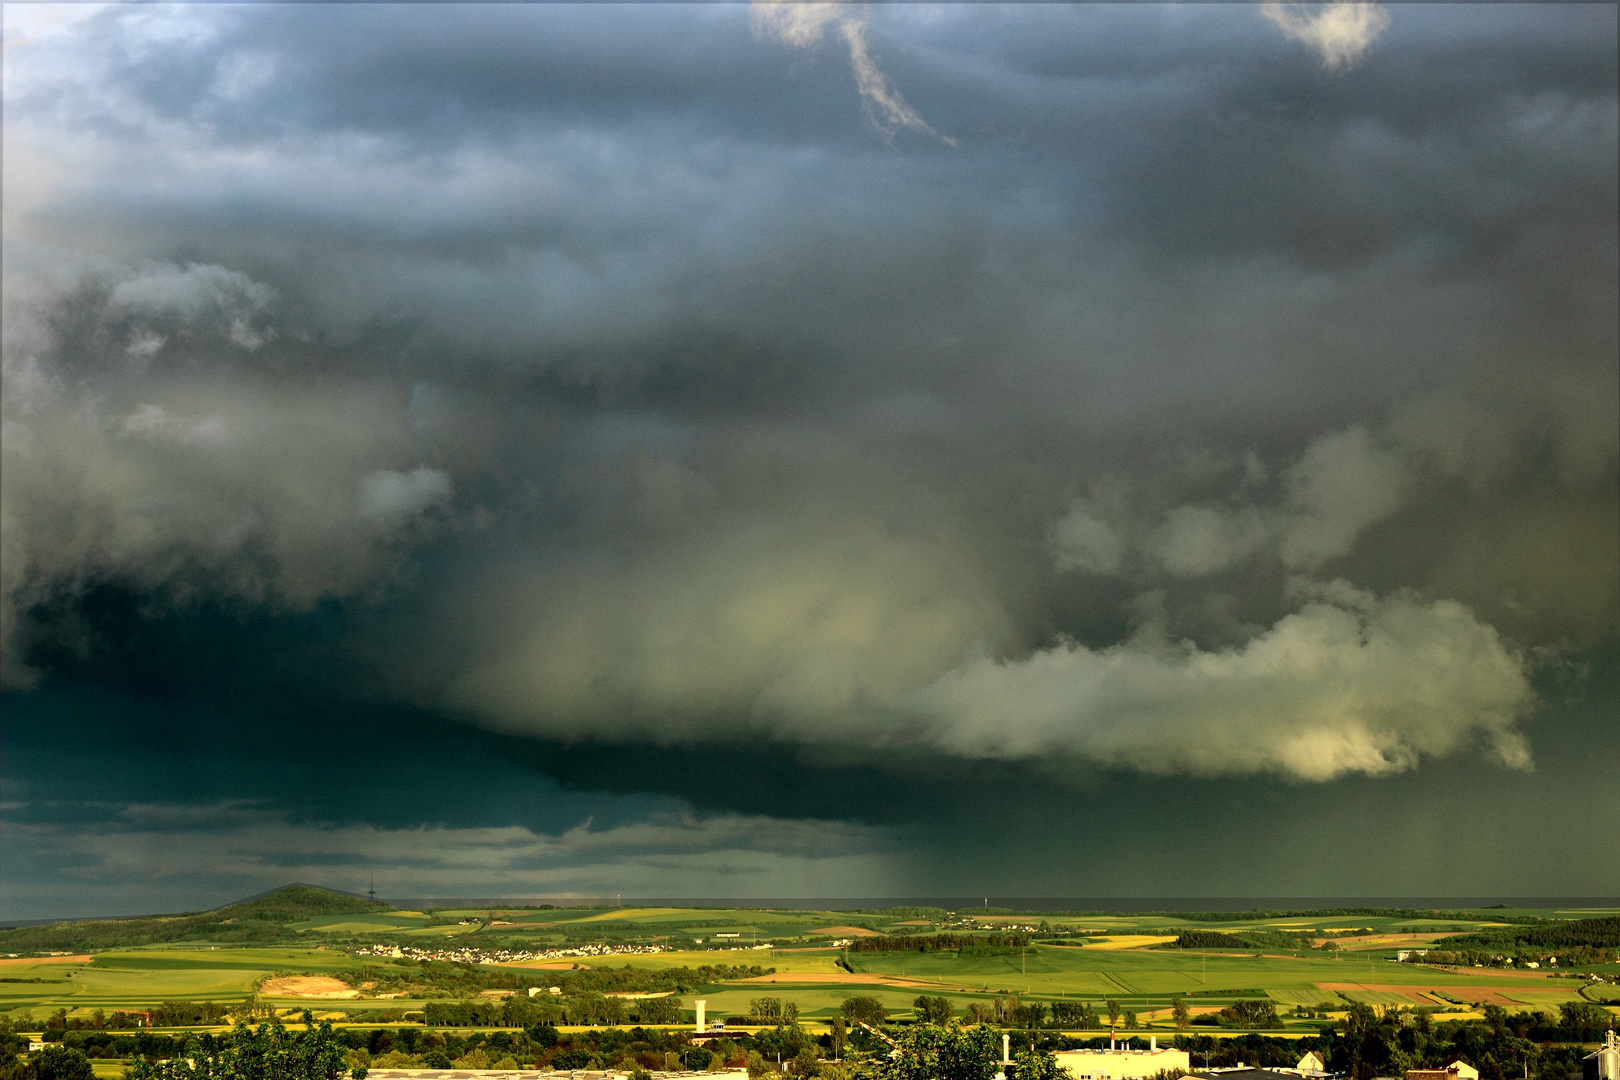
609,377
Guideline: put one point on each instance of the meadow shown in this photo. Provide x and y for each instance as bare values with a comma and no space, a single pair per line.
1095,958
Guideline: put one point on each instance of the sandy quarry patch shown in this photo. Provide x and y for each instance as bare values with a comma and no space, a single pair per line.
311,986
85,959
641,996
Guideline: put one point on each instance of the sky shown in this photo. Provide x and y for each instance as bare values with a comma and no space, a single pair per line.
809,451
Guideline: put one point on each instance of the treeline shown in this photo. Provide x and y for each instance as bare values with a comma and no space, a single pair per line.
1239,939
165,1014
1600,933
1250,1013
581,1011
455,979
938,942
1373,912
1579,956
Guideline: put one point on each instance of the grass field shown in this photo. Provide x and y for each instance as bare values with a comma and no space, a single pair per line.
1103,957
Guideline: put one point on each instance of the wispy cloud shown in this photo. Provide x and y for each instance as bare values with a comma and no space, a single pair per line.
1338,32
803,25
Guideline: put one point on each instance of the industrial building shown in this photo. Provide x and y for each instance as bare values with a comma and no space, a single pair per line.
1118,1064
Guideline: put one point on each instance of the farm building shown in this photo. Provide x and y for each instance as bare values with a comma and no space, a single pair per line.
1457,1070
1244,1072
1122,1064
1311,1065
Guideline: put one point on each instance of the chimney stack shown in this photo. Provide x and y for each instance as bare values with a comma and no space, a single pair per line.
701,1005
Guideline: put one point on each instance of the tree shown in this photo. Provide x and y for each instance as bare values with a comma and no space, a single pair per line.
839,1034
757,1065
1033,1063
805,1063
926,1052
933,1010
662,1010
867,1009
1029,1016
1182,1014
1130,1020
1113,1012
698,1058
250,1053
61,1063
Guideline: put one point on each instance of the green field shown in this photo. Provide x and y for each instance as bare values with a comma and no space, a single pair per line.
1087,957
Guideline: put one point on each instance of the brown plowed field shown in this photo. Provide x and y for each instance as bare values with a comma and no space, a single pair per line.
804,978
48,960
1479,995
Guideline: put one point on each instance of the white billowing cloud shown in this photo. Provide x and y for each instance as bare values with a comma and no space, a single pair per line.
846,635
1350,683
1343,483
1198,540
1082,540
803,25
191,293
390,496
1338,32
777,626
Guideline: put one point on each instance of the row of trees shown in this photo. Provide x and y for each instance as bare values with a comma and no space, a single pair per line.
579,1010
1577,956
937,942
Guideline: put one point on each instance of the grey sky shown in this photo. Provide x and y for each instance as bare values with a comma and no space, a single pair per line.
1079,407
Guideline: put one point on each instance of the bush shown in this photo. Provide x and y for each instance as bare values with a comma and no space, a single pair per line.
61,1063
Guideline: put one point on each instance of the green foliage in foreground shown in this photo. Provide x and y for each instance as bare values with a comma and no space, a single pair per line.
952,1052
268,1052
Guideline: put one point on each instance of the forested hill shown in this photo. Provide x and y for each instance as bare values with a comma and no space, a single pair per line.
260,919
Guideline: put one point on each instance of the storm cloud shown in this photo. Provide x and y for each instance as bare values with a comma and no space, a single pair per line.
1187,392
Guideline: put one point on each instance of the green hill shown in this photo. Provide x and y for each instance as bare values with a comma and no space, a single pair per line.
258,919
